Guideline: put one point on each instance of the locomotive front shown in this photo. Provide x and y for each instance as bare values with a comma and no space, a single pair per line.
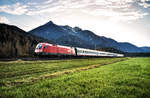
39,48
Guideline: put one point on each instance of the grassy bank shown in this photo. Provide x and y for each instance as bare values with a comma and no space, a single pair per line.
77,78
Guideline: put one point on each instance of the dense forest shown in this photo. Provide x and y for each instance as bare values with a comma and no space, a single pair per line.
15,42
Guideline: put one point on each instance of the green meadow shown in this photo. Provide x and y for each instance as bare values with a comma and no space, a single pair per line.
79,78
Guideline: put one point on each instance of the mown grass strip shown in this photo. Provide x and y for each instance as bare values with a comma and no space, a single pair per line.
31,80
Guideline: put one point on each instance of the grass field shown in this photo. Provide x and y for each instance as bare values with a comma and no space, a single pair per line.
120,77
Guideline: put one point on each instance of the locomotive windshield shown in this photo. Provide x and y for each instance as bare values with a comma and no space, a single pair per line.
39,46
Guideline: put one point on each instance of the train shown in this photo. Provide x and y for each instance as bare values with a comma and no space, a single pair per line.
46,49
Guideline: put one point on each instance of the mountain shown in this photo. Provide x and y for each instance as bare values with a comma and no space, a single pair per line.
146,49
66,35
16,42
59,35
128,47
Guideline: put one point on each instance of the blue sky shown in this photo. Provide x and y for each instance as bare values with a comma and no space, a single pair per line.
122,20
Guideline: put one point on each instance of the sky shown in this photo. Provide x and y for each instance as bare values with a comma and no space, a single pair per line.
121,20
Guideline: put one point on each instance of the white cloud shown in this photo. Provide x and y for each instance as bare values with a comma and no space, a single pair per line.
3,19
16,9
116,10
41,11
144,3
122,9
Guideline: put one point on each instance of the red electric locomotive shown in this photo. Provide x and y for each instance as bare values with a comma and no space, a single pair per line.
51,49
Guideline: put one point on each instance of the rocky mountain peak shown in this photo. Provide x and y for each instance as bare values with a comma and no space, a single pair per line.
50,23
77,29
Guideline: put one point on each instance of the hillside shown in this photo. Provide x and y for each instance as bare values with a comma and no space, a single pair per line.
145,48
66,35
16,42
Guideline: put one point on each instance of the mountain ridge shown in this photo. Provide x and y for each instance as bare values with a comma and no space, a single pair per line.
75,36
